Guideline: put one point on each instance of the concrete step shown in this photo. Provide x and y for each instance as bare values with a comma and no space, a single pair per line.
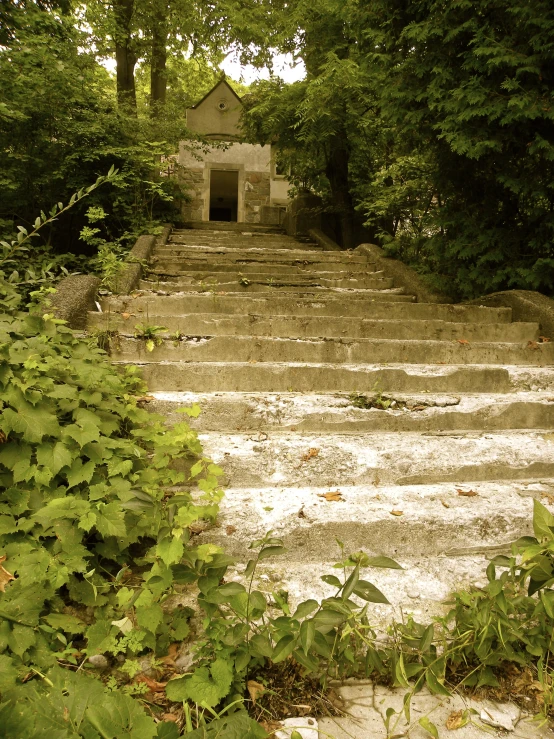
229,227
239,268
279,245
231,281
304,290
365,716
261,255
270,413
329,378
333,350
347,305
218,324
429,521
318,459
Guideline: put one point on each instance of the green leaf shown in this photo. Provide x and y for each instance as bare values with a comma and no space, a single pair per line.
332,580
351,583
307,635
434,685
170,551
150,617
8,673
543,521
380,561
80,472
65,622
33,422
270,552
305,608
367,591
205,686
118,466
239,725
283,648
429,727
54,456
110,520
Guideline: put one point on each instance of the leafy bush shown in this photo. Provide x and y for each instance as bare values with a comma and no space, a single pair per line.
97,497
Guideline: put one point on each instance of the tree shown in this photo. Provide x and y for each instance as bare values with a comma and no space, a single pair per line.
471,84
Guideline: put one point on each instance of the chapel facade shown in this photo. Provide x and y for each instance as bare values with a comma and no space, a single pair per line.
233,180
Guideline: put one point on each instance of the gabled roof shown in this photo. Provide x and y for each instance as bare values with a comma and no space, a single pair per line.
221,82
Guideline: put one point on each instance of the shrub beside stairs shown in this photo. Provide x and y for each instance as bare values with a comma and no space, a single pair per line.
341,409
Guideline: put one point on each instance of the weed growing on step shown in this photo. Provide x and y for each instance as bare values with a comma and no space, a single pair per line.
150,335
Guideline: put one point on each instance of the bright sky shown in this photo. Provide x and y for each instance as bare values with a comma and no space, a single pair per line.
283,67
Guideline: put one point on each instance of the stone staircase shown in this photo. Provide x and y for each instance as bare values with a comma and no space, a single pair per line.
430,424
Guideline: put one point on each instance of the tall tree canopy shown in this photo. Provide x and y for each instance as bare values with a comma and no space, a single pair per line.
450,143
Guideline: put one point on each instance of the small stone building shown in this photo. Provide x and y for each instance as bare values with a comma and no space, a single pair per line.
232,180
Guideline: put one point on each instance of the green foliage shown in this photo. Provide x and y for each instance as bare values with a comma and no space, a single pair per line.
68,705
94,514
245,631
150,335
59,128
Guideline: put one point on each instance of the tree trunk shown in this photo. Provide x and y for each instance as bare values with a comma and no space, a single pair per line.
158,78
125,56
337,174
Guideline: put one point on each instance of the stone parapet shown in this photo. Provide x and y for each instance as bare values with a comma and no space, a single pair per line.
402,275
526,305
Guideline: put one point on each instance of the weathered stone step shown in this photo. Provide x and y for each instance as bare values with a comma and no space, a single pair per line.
240,268
421,588
257,254
393,293
329,378
299,326
332,350
287,412
415,521
229,227
381,458
282,245
346,306
230,281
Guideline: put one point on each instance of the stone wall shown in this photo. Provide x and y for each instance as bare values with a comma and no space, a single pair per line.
193,180
257,193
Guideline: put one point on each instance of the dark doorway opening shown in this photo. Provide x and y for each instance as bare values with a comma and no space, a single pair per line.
224,194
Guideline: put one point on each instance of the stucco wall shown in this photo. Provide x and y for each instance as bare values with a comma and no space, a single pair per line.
252,157
218,114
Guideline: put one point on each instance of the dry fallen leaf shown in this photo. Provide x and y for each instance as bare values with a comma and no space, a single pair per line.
145,398
331,496
532,345
455,720
254,690
466,493
301,513
313,452
126,316
445,504
153,685
171,717
230,530
463,341
5,576
397,513
172,654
